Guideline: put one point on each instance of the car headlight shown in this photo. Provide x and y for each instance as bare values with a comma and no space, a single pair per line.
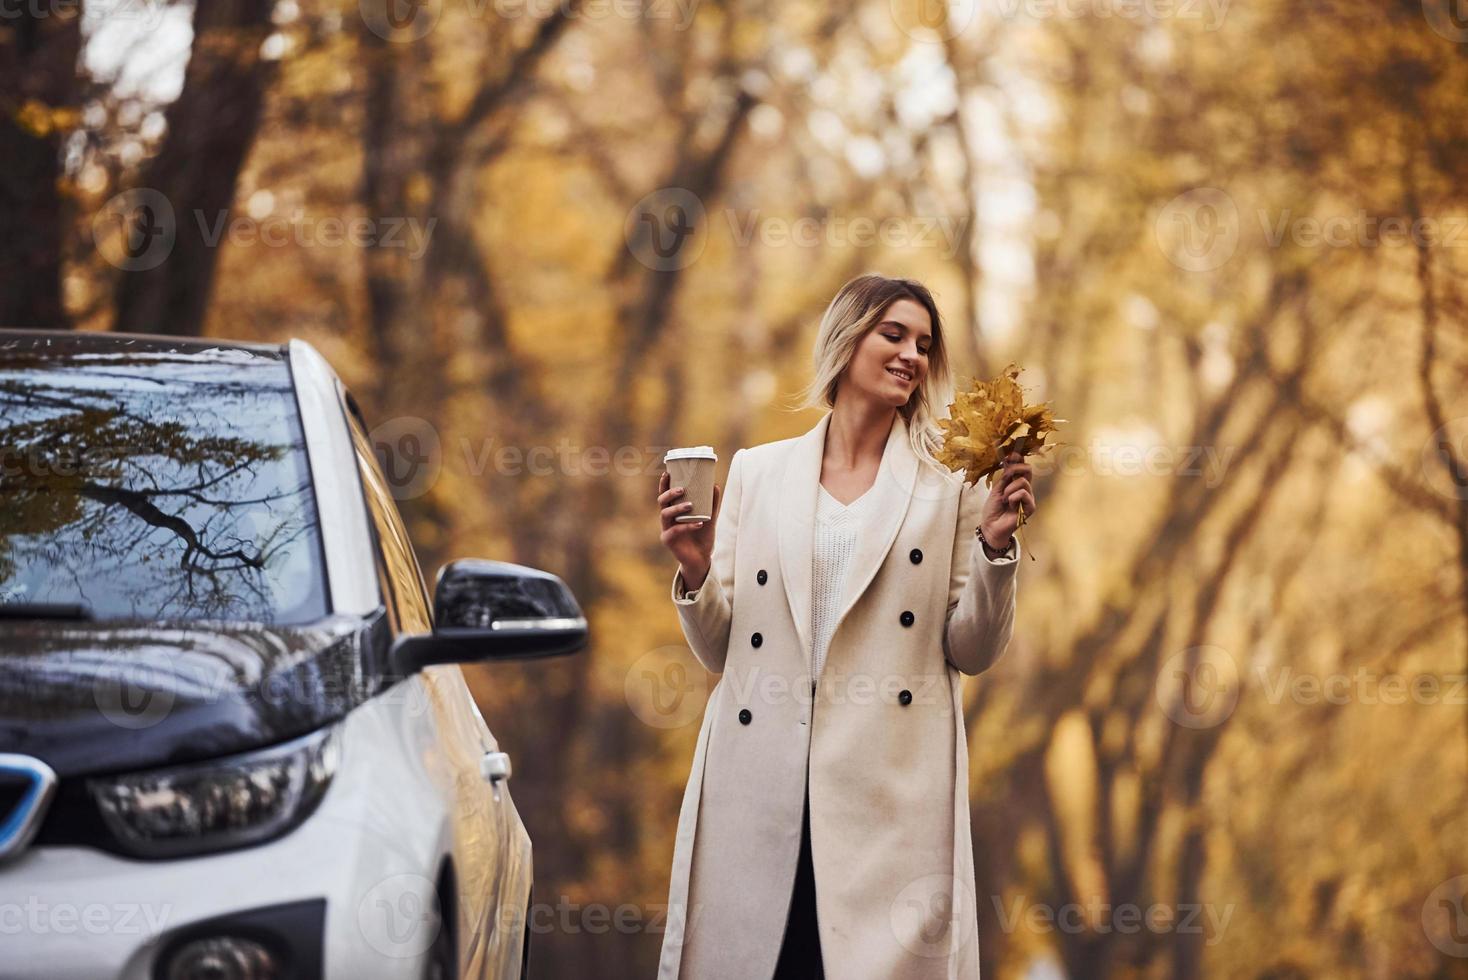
219,804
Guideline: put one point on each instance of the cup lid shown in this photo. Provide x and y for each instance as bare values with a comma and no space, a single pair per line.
691,452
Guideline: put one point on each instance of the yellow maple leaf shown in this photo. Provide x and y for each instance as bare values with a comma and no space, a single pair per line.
988,422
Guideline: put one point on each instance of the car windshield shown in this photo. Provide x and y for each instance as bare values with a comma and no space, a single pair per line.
146,481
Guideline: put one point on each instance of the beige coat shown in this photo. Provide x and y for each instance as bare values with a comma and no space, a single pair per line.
882,741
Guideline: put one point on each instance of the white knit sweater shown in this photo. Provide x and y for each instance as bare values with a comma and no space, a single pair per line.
836,530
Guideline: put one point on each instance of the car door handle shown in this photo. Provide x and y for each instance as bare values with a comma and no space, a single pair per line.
495,766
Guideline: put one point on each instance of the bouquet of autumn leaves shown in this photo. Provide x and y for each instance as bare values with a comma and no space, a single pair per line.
987,423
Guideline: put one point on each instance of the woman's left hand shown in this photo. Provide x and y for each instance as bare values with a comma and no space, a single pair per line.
1001,509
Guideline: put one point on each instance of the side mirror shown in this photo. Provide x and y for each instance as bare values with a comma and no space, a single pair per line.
493,610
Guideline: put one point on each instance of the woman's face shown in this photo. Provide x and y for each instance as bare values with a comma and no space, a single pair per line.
897,345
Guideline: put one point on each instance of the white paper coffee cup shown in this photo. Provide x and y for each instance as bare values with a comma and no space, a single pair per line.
692,467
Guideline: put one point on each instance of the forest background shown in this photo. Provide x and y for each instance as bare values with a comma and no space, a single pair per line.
543,241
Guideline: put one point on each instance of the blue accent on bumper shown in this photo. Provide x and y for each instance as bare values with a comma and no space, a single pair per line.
22,818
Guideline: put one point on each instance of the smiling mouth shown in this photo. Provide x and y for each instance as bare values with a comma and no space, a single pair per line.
902,375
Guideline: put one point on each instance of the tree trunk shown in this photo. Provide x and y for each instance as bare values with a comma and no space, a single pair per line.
211,128
38,55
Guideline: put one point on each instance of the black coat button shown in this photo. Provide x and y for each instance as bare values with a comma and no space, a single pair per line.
762,578
905,697
906,617
756,639
916,555
745,717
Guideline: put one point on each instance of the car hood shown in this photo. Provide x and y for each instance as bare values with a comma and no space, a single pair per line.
89,698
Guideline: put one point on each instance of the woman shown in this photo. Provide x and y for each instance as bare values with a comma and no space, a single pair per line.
825,825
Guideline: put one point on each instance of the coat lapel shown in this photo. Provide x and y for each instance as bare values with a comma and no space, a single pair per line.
799,486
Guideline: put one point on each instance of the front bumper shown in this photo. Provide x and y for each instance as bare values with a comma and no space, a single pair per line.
367,858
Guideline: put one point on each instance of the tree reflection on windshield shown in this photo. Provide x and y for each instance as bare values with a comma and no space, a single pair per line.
146,484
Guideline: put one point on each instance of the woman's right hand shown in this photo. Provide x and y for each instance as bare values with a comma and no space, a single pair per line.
691,542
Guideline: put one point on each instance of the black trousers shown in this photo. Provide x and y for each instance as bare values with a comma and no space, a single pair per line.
800,951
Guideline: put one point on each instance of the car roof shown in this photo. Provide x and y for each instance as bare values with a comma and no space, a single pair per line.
105,343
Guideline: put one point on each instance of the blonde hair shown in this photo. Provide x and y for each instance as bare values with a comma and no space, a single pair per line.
854,312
